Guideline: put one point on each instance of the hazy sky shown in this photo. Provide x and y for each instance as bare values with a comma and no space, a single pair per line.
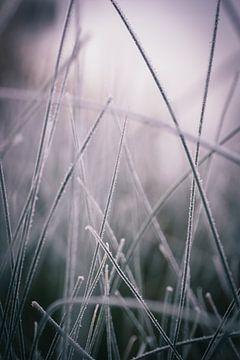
176,36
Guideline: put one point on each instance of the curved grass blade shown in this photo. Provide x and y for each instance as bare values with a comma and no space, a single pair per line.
189,240
197,178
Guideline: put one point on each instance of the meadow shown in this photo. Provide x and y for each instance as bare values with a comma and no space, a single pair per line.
119,179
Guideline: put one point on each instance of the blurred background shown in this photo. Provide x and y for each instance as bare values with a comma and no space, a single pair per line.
104,61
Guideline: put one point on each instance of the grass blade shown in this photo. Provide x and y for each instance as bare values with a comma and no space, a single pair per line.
61,332
187,254
189,157
134,291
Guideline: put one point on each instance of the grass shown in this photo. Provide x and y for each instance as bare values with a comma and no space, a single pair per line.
101,256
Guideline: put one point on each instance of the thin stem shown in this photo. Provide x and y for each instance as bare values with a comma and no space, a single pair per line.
61,332
187,255
197,178
134,291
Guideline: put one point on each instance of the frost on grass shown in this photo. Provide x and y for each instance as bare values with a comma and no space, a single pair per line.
119,215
